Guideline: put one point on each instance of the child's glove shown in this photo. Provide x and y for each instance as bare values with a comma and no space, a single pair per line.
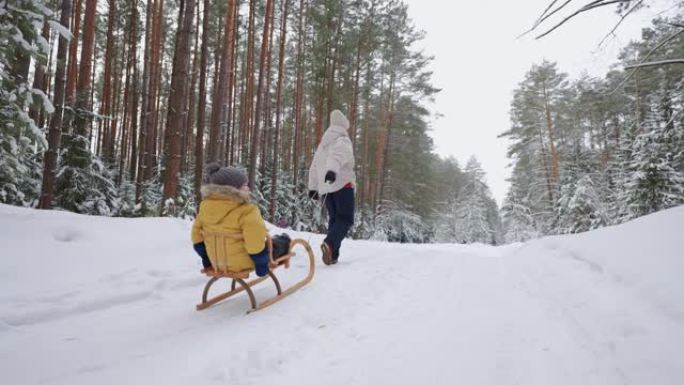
313,194
330,176
201,250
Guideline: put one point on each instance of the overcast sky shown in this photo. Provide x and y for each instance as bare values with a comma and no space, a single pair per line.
478,62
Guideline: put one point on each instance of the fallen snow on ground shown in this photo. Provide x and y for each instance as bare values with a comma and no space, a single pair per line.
93,300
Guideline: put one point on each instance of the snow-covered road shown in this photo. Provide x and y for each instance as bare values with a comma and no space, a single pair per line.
86,300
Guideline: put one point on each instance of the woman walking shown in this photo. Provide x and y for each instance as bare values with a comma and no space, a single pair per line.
331,178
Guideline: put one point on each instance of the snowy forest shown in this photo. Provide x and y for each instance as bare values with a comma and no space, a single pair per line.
592,152
114,107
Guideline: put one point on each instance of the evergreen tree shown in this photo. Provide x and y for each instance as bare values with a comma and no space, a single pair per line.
21,140
535,115
584,210
473,217
654,181
518,223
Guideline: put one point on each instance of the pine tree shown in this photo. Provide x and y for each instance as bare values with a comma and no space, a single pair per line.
518,223
21,139
176,113
535,116
584,210
473,216
654,182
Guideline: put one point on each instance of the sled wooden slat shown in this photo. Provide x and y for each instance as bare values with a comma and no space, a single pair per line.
241,276
229,274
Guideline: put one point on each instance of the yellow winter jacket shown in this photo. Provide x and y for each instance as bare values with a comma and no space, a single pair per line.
225,208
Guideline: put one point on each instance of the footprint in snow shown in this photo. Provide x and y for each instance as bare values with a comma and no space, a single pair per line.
66,235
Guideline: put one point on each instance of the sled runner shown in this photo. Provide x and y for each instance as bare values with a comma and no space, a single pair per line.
240,280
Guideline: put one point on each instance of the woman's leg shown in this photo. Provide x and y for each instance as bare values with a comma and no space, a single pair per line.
332,211
343,218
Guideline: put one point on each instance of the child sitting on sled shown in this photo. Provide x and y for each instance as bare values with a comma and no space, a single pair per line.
226,207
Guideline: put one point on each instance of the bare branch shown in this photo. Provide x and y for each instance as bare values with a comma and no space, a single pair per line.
656,63
588,7
638,3
545,16
546,10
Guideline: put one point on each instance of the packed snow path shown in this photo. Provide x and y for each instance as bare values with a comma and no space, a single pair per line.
89,300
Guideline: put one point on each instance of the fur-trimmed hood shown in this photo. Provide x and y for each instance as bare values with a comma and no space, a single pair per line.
217,191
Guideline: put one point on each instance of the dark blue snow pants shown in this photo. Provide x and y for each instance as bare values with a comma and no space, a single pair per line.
340,205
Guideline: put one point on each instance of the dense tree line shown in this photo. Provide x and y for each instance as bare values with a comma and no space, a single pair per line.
590,152
113,107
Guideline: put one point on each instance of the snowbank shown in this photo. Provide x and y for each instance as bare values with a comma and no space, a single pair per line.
108,301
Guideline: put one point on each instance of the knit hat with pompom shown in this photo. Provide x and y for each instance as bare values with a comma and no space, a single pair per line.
224,176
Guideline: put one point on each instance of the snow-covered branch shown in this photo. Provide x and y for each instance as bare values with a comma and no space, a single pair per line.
656,63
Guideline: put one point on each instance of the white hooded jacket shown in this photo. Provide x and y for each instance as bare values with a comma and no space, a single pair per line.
335,153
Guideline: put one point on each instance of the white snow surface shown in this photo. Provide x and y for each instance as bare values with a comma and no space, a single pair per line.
96,300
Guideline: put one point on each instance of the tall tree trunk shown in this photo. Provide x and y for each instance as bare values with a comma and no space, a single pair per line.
115,108
320,98
83,105
279,101
218,109
230,102
353,106
334,56
72,74
249,87
191,100
240,150
382,177
545,164
233,112
364,195
555,169
144,109
153,91
379,151
267,116
132,57
106,107
202,97
47,77
177,95
299,95
55,131
127,99
257,112
214,89
39,80
365,170
159,116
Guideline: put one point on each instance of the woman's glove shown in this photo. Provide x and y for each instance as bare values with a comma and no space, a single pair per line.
330,176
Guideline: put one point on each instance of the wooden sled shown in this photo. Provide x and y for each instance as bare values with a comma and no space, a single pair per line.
241,277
